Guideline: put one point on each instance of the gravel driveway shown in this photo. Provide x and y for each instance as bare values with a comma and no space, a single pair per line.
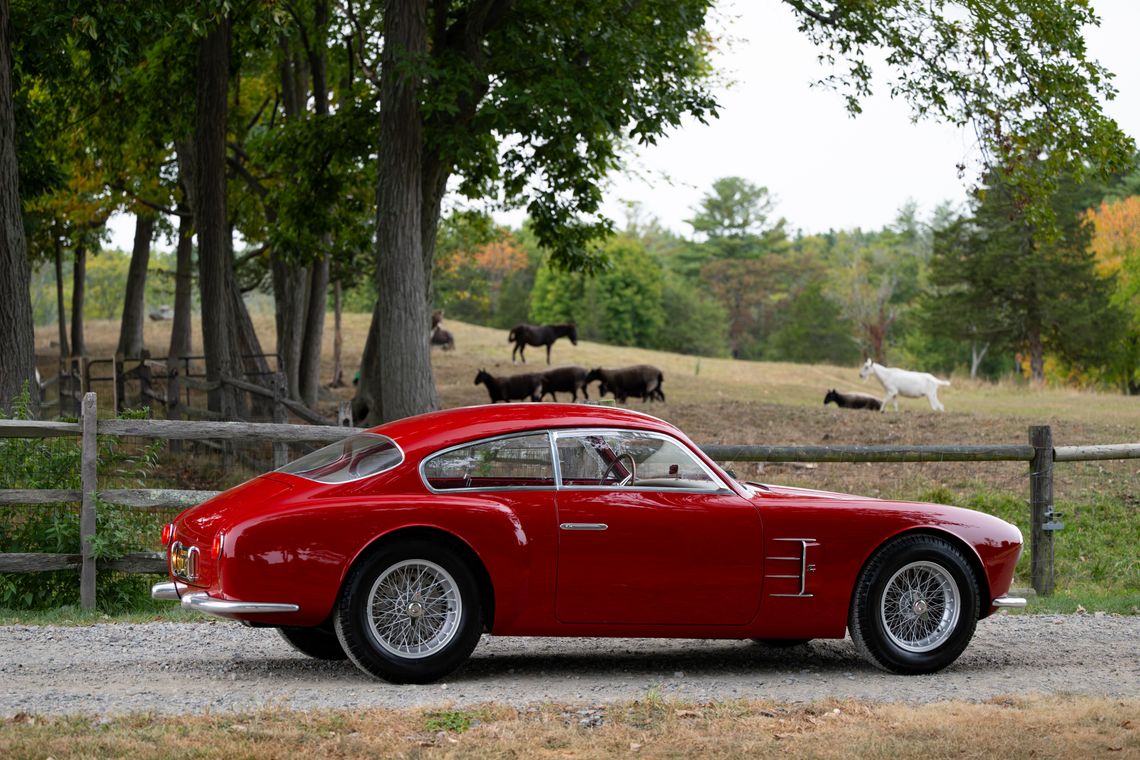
219,666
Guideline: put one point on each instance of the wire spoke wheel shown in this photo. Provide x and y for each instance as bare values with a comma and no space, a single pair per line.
920,606
414,609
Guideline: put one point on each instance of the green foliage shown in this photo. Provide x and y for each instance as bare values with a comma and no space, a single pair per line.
999,279
454,721
54,463
813,330
621,305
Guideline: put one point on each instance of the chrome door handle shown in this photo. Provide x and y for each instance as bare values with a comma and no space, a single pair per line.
583,526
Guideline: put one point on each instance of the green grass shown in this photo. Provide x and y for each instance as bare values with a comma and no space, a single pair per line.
71,615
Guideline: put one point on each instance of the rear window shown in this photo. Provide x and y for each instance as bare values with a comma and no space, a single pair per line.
356,457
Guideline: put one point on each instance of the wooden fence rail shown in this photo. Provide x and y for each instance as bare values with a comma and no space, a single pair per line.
1039,453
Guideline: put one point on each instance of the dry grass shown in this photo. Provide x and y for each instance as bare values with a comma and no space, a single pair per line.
726,401
1005,727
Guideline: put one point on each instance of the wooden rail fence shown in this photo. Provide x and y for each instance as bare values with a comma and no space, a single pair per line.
1039,453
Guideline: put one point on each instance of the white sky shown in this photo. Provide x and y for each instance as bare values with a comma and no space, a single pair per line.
825,169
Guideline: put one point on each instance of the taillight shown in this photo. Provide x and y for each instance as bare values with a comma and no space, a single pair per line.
219,543
167,534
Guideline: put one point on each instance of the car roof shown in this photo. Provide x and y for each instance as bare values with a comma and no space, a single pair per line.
437,430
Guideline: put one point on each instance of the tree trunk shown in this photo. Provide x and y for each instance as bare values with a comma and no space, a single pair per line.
17,338
215,272
78,294
396,376
976,357
310,367
59,301
181,341
1036,356
338,339
134,302
291,305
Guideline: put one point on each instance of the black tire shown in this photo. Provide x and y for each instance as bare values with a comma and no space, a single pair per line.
443,625
780,643
915,606
320,643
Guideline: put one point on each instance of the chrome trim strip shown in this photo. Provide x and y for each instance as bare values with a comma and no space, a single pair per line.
200,601
1009,601
802,559
584,526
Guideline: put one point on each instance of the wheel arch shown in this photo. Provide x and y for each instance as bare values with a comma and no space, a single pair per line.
428,533
967,551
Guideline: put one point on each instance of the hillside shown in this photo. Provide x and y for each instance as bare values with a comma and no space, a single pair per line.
727,401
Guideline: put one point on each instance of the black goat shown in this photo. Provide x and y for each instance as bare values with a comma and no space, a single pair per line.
443,338
565,380
641,380
511,387
853,400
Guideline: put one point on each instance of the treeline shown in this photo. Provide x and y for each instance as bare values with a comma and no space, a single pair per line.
301,147
977,289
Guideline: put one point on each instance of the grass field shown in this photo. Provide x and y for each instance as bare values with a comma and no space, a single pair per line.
1007,727
726,401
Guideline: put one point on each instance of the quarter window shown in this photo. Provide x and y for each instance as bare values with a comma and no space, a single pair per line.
518,462
355,457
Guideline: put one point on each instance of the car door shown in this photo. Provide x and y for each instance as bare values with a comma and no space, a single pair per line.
649,535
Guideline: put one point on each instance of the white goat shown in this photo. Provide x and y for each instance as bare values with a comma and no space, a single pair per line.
903,382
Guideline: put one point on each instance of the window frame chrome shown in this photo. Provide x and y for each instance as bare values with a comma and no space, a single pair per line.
717,484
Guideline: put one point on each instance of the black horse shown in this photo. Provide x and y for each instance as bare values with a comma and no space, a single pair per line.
539,335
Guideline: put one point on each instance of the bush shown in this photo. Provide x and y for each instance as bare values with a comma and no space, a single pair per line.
54,528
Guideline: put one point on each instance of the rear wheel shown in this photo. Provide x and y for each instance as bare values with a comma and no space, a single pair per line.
410,613
915,606
319,643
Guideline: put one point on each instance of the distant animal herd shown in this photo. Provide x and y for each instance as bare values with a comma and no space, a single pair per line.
644,381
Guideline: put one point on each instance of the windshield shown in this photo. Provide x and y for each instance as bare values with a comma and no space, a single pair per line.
356,457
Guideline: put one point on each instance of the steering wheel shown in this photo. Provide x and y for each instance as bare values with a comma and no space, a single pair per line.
627,461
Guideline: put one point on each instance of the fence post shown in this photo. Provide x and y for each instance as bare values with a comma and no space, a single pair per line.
280,450
1041,508
87,518
344,414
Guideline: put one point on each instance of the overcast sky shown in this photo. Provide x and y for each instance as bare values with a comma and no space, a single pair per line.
825,169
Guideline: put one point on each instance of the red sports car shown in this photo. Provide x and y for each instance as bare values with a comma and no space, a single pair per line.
399,546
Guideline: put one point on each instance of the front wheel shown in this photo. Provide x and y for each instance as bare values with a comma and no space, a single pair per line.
410,613
915,606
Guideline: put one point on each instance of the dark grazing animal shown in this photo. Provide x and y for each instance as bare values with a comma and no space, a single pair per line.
511,387
853,400
436,318
539,335
565,380
641,380
441,337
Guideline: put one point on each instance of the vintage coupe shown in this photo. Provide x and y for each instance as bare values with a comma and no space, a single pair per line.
399,546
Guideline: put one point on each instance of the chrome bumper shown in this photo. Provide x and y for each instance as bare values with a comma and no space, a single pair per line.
1009,601
200,601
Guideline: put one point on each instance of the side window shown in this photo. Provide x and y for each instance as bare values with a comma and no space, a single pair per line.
629,459
518,462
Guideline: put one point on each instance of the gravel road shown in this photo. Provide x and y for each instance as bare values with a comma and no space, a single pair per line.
221,666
